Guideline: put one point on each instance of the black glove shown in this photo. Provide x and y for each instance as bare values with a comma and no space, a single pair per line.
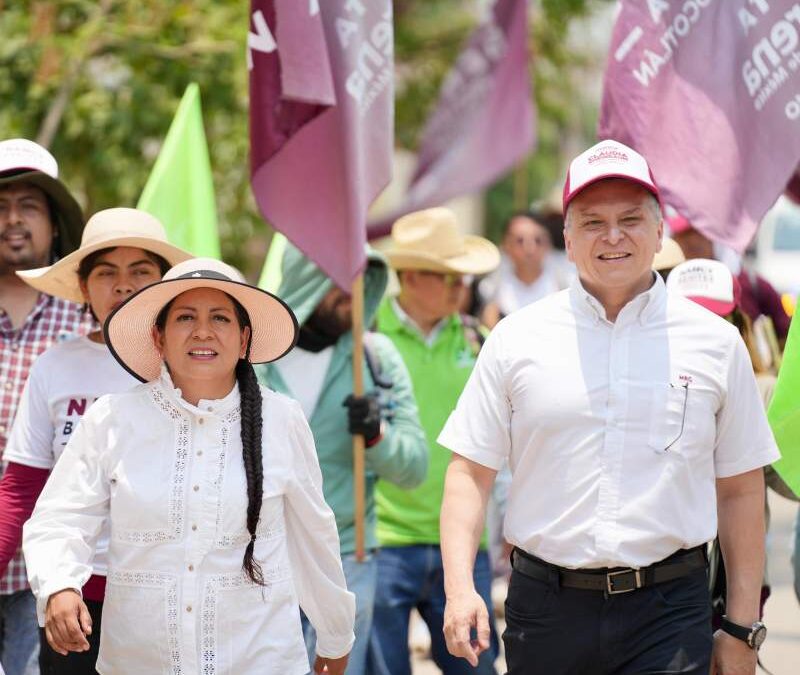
364,417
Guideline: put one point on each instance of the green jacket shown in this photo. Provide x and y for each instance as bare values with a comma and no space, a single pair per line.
402,456
439,373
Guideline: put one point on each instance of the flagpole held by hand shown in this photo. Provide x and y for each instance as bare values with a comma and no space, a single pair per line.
357,300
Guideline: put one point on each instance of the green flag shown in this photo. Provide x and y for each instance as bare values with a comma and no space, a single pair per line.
180,189
784,411
271,273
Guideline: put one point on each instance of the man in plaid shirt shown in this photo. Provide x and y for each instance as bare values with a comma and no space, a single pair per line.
39,222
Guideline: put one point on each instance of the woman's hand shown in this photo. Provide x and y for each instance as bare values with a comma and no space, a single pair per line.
67,622
332,666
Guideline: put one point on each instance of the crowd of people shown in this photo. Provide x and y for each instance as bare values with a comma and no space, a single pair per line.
176,444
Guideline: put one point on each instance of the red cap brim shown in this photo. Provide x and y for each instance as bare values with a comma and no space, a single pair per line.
719,307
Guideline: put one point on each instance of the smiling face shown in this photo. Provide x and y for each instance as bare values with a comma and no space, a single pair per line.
613,231
115,275
26,231
201,342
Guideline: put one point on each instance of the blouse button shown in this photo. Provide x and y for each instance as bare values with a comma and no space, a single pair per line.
199,453
194,527
191,568
196,488
201,420
188,608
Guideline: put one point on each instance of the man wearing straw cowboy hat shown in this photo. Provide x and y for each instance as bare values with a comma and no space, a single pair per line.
433,261
318,373
635,432
40,221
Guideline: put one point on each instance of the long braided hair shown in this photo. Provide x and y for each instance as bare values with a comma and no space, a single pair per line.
252,423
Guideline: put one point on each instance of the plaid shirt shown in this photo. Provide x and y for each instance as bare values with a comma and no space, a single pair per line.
51,320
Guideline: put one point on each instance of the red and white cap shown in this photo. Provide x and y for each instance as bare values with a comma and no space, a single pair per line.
708,282
607,159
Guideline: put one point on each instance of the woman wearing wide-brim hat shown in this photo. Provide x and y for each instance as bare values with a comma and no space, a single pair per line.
212,487
122,250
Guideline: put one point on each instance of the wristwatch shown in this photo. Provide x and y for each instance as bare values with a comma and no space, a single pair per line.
753,636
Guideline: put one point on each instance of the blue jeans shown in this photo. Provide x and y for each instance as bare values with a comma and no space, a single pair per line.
19,630
413,577
361,579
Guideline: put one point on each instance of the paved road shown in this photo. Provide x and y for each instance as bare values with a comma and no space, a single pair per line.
781,652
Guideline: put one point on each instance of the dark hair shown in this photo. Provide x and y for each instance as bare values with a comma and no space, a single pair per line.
252,423
91,261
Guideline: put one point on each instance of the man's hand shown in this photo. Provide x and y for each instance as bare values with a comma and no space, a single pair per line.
67,622
462,613
364,416
731,656
332,666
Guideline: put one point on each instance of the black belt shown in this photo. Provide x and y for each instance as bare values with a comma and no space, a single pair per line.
613,580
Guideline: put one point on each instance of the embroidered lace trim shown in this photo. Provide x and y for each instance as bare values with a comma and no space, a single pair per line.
208,616
176,496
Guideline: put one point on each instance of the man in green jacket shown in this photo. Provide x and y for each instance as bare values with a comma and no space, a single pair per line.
432,259
318,373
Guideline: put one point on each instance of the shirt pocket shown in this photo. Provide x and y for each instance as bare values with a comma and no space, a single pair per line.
682,420
140,623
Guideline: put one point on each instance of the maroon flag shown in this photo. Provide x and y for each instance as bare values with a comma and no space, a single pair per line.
793,188
708,92
321,122
484,121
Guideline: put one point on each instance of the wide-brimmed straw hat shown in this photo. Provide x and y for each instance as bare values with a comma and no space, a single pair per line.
23,161
106,229
670,255
129,328
430,240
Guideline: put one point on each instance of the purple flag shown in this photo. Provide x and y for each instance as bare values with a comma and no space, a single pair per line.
709,93
321,122
484,121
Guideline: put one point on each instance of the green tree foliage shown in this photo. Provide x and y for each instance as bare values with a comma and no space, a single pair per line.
98,82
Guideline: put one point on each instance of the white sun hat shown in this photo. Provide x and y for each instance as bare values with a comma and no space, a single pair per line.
129,328
106,229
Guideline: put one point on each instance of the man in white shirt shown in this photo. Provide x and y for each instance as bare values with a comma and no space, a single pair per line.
632,424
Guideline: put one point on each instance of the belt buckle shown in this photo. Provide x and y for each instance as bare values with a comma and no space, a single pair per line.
610,582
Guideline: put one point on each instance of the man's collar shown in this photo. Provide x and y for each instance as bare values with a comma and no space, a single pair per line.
644,305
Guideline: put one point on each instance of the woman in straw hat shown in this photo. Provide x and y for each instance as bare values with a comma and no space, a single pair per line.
122,251
213,491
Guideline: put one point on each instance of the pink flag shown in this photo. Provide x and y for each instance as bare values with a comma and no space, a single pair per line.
709,92
484,121
321,122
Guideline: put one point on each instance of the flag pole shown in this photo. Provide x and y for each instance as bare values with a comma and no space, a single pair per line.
357,300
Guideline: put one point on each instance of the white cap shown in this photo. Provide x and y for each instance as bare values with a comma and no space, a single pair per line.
607,159
20,154
708,282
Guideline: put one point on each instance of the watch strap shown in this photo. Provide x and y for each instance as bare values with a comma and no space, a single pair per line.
734,629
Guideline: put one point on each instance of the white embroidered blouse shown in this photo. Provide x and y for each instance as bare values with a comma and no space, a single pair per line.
170,478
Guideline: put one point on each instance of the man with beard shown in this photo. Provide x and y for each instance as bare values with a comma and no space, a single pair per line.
40,221
318,373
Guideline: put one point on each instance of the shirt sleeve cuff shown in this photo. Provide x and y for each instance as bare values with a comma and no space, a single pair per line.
752,461
485,458
334,646
51,589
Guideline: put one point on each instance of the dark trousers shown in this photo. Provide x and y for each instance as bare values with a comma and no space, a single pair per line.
74,663
552,630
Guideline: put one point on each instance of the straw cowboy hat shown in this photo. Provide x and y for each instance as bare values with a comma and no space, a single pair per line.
23,161
105,229
670,255
129,328
430,240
